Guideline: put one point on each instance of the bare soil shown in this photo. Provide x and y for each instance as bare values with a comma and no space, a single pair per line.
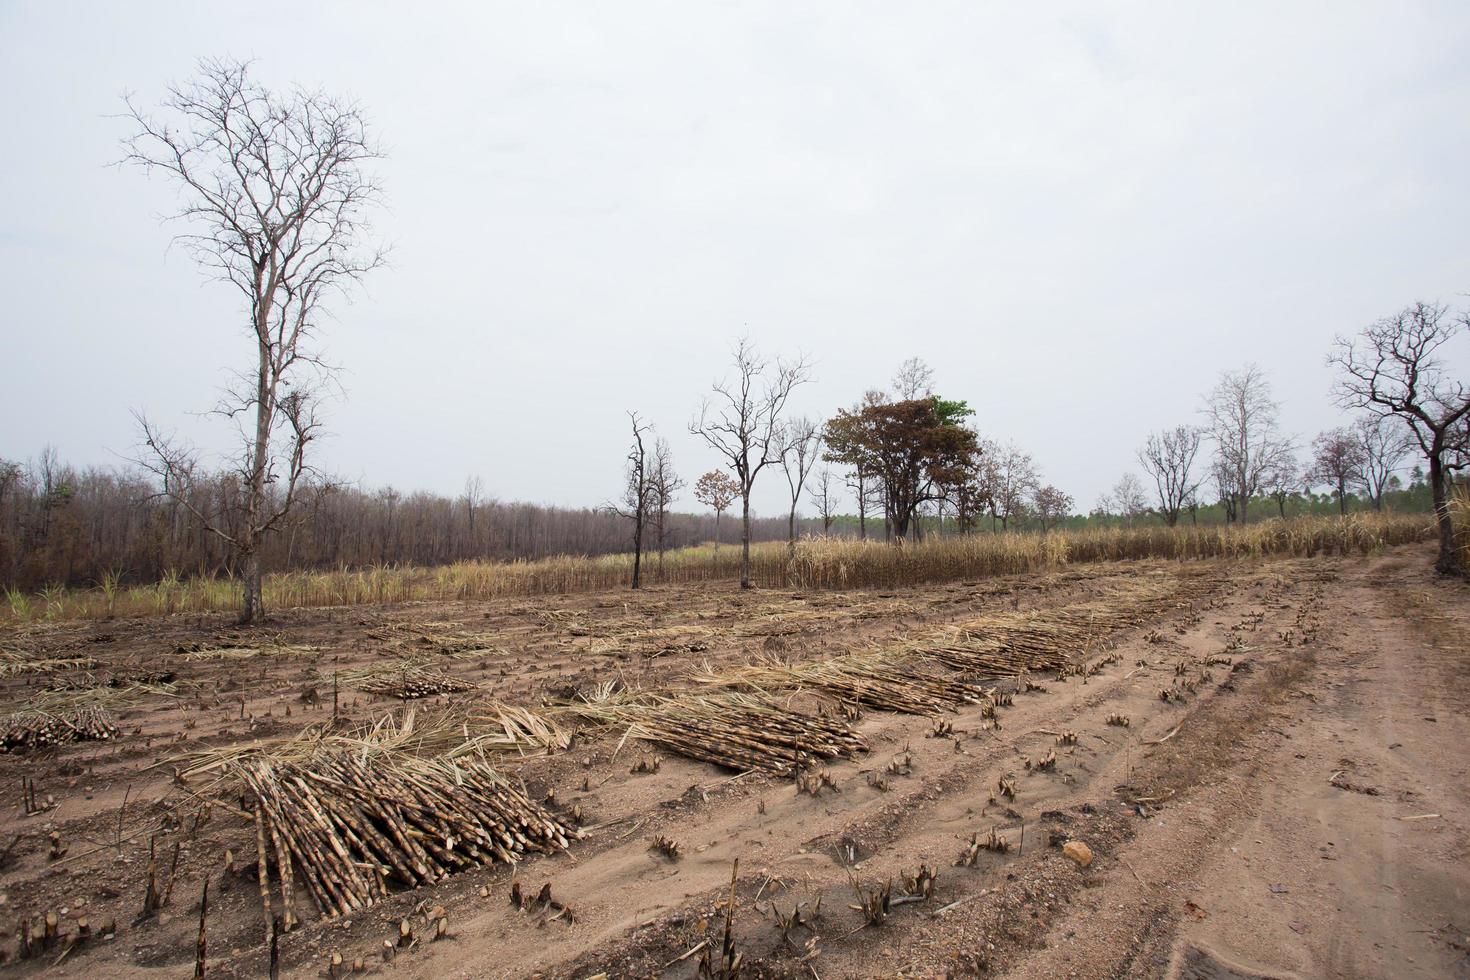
1303,812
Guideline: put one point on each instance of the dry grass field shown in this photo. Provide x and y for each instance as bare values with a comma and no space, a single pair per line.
885,781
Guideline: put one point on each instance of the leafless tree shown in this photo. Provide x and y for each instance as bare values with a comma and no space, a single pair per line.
1337,462
1052,506
866,487
1394,368
665,485
638,492
1223,480
914,379
1384,444
1168,458
276,197
824,495
743,423
1127,499
474,493
1011,478
1243,425
717,490
1283,479
803,439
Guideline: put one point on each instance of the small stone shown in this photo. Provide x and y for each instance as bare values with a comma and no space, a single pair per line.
1079,852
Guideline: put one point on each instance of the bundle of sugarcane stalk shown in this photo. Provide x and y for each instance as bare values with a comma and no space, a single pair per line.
408,679
15,663
351,825
737,731
876,680
1010,644
36,729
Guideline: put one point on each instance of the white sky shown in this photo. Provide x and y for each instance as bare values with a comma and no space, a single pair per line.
1078,218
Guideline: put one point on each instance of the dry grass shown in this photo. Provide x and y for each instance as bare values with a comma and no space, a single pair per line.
817,564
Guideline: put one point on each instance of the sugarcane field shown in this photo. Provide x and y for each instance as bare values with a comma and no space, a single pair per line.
735,491
998,777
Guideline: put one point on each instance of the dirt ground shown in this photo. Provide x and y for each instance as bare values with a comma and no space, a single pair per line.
1303,811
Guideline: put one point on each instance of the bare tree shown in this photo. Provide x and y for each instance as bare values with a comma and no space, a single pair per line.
1393,368
1337,461
474,493
638,493
824,495
664,484
803,439
1383,444
275,198
1283,480
914,379
743,423
1011,478
716,490
1243,424
1168,458
1052,506
1127,499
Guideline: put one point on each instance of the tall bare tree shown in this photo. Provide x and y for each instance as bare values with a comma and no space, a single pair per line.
717,490
638,492
1395,367
665,485
1168,457
1337,462
275,199
742,422
1384,444
824,495
474,493
1243,423
803,439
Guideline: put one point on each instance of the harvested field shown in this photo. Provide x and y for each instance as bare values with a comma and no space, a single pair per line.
890,777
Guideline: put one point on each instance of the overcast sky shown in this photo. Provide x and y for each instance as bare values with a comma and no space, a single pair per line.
1078,218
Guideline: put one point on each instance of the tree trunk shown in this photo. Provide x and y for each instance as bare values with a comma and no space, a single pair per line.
252,608
717,534
638,553
791,531
1447,563
745,540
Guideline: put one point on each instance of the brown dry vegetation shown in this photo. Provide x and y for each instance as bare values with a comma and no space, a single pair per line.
921,753
816,564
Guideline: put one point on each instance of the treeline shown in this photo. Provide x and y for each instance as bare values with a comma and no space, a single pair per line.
63,525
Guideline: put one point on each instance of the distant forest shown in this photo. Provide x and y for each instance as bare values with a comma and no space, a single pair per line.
62,525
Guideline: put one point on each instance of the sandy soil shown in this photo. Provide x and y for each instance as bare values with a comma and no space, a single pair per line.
1302,812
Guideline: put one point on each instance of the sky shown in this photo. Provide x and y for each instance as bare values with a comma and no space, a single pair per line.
1077,214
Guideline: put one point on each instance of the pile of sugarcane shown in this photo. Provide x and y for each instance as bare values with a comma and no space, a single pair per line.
37,729
16,663
1011,644
874,680
351,825
732,730
410,679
